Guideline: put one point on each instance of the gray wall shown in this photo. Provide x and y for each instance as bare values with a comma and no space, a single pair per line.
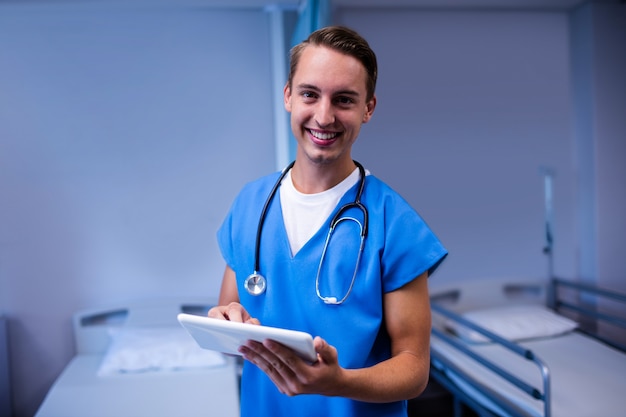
126,132
124,135
471,106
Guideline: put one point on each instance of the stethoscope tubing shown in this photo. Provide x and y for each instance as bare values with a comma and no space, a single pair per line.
256,283
259,230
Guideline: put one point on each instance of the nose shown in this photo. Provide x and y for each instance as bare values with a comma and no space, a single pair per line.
324,114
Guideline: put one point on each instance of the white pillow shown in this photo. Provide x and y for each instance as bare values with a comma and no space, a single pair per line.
138,349
514,323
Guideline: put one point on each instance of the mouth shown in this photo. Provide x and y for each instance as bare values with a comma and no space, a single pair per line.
323,138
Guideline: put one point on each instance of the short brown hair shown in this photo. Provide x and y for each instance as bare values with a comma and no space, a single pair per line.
343,40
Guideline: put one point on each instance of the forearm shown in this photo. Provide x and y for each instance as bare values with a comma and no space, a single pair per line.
400,378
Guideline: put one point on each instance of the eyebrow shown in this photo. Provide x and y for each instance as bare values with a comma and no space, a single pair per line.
336,93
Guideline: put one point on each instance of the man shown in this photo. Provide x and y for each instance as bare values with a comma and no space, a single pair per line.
367,306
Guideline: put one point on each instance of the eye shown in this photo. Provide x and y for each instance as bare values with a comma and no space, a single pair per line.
308,95
344,100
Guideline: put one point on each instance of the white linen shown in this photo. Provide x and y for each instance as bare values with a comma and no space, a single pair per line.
150,349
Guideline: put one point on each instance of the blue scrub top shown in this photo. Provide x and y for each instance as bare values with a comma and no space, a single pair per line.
399,247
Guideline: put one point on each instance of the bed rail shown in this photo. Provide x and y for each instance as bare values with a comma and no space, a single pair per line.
542,394
92,327
587,307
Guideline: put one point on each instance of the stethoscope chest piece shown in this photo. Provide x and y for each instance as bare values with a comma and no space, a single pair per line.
255,284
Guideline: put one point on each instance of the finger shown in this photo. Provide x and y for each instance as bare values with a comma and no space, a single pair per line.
235,312
256,353
239,314
265,360
291,361
290,372
232,312
217,312
263,357
252,320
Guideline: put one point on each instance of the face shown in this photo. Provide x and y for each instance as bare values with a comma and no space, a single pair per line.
327,102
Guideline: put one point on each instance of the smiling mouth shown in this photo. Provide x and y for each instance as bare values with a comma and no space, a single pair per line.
322,135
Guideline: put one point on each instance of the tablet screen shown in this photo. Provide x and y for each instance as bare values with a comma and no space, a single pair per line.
226,336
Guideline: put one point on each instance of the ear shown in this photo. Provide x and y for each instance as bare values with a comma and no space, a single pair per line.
369,109
287,97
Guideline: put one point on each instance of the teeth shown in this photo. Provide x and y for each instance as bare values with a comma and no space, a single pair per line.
323,136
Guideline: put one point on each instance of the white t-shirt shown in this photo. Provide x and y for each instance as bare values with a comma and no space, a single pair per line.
304,214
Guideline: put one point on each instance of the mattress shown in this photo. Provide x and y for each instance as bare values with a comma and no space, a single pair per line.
587,376
80,392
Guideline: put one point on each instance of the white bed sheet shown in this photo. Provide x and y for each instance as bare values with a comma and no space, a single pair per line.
588,377
190,393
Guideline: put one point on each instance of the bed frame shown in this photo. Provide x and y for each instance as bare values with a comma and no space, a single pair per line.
577,301
595,320
80,392
92,327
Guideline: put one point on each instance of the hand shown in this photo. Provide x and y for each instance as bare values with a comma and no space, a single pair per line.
291,374
232,312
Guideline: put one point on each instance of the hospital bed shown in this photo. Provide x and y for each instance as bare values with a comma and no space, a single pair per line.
136,360
522,348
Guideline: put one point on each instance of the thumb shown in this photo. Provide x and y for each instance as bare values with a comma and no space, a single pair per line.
326,352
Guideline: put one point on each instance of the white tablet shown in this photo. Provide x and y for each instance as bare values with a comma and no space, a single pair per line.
226,336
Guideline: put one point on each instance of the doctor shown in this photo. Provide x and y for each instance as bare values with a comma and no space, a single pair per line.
362,292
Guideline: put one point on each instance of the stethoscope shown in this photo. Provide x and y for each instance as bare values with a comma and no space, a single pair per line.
256,283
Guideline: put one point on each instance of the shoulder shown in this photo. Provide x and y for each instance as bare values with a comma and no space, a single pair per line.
391,208
379,193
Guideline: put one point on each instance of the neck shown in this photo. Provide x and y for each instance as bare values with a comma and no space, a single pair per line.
311,178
